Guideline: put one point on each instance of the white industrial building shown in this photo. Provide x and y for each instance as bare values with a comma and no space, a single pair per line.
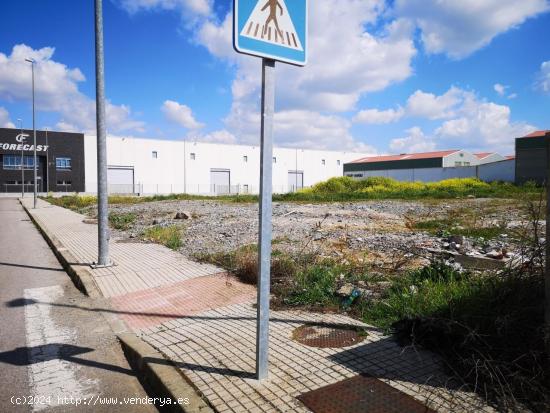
435,166
151,166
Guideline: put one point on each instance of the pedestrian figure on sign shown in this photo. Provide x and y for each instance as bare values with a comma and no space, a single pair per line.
272,4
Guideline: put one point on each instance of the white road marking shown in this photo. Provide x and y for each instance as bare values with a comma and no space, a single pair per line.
50,377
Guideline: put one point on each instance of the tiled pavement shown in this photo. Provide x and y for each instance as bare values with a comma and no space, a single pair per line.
204,321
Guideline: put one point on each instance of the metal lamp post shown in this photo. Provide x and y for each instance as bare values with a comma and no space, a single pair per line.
47,164
22,162
32,62
102,196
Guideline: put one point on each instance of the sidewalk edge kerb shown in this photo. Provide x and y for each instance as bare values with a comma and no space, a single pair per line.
80,276
164,379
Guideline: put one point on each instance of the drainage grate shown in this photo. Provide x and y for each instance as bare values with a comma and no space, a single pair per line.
328,337
361,394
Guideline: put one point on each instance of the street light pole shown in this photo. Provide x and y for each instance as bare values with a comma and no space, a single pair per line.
22,162
102,196
47,164
32,62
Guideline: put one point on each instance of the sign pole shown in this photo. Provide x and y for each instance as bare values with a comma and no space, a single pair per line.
274,31
102,196
547,266
264,254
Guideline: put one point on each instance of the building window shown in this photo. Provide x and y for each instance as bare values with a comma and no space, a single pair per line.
467,164
64,183
155,154
63,163
245,158
274,159
14,162
458,163
323,162
338,162
192,156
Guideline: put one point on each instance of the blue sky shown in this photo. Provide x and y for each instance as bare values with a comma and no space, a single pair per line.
383,76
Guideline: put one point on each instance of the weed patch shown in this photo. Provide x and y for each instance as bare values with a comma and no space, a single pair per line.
489,328
122,221
349,189
169,236
342,189
447,227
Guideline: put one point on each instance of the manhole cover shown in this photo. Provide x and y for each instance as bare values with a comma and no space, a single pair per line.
89,221
328,337
361,394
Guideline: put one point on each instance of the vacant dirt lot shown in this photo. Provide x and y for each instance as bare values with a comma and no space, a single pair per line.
394,234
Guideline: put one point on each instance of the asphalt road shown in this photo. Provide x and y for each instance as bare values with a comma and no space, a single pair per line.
55,350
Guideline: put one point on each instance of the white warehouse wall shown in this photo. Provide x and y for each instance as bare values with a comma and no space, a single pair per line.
173,171
450,161
489,172
494,157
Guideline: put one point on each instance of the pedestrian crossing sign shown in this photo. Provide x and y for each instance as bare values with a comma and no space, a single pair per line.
273,29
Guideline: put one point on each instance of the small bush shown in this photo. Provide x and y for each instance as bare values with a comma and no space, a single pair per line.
169,236
122,221
315,286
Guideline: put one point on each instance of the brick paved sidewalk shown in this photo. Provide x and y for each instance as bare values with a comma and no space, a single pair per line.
204,321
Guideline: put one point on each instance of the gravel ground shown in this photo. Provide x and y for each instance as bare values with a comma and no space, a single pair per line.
378,230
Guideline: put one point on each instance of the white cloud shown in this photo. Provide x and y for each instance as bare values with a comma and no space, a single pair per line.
469,122
543,82
375,116
345,62
190,10
459,28
5,121
500,89
303,128
430,106
180,114
219,136
484,125
415,141
57,90
63,126
420,104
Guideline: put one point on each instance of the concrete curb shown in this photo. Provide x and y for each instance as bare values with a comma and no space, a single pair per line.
159,374
80,275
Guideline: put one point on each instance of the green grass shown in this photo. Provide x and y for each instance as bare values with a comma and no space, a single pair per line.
349,189
169,236
342,189
489,329
81,202
446,227
304,280
419,293
122,221
315,286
